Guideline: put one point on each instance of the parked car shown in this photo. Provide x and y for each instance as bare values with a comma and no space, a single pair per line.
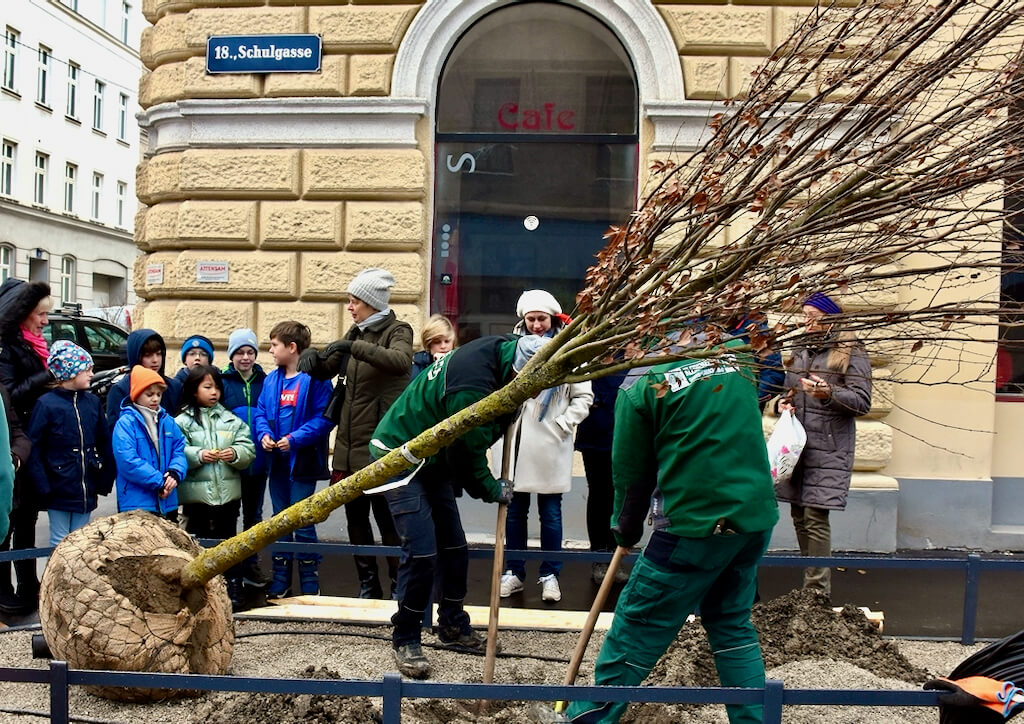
102,339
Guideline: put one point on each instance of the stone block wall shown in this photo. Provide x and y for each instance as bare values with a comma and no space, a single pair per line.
293,225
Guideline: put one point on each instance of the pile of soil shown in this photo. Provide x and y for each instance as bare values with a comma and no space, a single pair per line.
233,708
798,631
798,626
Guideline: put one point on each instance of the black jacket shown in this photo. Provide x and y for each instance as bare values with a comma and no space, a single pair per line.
121,388
71,462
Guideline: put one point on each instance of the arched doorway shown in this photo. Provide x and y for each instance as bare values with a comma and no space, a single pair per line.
536,155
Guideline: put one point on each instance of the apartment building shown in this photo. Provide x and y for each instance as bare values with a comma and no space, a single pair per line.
69,145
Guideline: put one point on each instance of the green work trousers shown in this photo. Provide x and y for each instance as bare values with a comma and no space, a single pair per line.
673,577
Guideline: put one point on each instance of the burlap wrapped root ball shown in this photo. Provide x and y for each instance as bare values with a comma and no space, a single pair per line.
111,598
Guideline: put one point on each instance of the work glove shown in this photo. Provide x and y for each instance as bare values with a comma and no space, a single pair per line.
308,360
979,691
340,346
505,491
629,527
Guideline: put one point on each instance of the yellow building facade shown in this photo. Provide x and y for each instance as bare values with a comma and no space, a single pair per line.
264,193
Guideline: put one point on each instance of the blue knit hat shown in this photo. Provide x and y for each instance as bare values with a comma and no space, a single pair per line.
823,302
242,338
197,341
67,359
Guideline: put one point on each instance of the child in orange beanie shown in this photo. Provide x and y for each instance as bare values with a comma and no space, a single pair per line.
149,449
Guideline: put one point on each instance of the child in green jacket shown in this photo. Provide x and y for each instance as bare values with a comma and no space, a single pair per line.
218,446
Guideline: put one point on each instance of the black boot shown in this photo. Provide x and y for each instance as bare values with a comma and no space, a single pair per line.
369,580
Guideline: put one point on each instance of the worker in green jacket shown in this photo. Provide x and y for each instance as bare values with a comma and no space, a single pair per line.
689,434
426,515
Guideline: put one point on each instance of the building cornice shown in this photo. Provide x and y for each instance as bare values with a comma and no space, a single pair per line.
8,206
282,123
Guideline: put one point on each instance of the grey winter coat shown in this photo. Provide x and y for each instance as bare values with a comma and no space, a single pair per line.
822,477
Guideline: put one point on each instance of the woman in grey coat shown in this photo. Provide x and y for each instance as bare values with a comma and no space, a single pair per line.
828,384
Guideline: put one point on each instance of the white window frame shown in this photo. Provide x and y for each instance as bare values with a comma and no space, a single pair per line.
99,90
42,168
122,118
6,255
11,37
72,107
43,76
97,195
126,11
70,180
122,201
67,279
8,159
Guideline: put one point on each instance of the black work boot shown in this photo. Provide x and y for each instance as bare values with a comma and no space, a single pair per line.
411,660
466,641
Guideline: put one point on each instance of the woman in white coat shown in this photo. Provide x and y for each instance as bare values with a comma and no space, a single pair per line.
542,453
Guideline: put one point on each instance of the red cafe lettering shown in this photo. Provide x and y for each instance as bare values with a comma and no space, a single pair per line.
536,119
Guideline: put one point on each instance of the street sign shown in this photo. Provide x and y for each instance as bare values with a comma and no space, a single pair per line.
263,54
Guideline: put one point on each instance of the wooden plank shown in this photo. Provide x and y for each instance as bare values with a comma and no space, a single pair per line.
362,610
875,617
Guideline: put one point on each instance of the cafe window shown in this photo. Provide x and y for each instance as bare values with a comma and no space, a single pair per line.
536,156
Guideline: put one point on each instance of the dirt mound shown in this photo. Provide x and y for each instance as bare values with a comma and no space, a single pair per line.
797,626
290,708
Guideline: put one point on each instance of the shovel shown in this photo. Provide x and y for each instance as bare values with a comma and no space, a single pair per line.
496,568
588,626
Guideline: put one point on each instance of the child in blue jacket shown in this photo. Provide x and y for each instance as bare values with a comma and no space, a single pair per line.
149,449
290,427
70,464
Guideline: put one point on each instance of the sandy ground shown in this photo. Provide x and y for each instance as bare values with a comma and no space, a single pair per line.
805,645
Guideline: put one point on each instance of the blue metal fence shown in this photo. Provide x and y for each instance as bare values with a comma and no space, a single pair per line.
392,688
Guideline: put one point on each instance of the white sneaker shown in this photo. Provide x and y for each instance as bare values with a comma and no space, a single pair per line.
550,591
510,583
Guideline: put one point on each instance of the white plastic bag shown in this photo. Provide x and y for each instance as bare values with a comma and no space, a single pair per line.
785,445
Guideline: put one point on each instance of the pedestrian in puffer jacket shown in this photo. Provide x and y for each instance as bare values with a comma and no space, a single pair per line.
218,445
71,462
373,360
149,449
828,384
243,382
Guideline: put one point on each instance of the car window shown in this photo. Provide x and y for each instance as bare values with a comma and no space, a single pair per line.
59,329
103,340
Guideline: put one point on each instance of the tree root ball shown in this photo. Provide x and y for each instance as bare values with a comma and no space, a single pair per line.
111,598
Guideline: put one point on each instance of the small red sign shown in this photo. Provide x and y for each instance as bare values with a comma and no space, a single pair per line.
546,118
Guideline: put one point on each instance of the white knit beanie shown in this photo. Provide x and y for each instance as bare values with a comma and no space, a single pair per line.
373,286
537,300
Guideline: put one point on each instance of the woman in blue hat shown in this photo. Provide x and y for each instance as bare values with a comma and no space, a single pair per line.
828,384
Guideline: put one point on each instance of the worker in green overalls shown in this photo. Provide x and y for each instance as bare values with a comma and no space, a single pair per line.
689,434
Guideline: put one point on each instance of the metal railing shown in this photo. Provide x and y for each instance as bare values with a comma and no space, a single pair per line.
392,689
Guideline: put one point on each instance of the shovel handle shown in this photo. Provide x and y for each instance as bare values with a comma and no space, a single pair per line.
588,626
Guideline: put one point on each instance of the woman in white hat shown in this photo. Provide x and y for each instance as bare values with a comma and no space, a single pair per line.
373,361
542,461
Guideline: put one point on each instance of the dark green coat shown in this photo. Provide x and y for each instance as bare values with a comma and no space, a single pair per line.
695,428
